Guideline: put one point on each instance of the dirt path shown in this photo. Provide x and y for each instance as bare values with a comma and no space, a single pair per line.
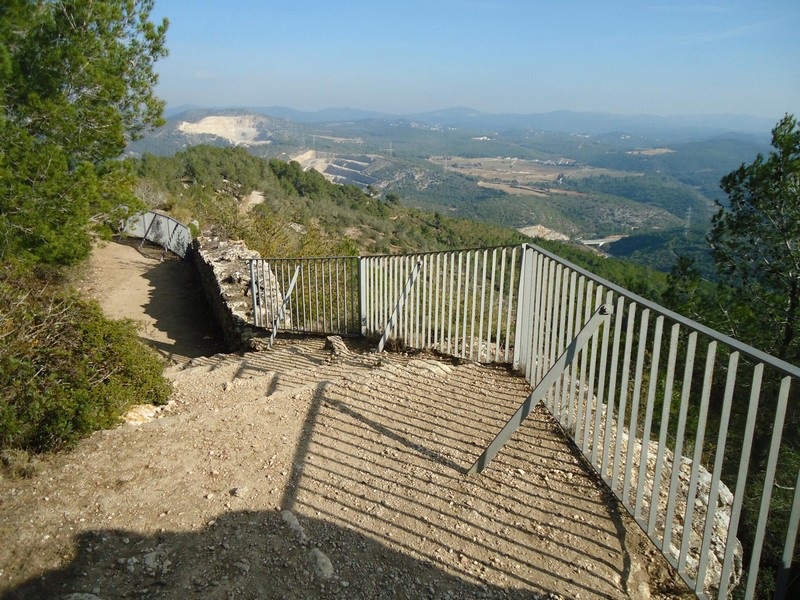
304,473
160,292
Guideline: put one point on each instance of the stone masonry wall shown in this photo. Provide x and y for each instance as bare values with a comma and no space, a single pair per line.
224,273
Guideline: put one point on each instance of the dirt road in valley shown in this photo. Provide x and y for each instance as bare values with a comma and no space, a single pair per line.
305,472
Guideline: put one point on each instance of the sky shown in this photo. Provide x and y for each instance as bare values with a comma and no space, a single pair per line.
662,57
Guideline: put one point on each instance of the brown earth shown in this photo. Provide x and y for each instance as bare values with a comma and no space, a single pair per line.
308,472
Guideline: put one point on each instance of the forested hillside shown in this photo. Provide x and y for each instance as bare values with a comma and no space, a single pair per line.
302,213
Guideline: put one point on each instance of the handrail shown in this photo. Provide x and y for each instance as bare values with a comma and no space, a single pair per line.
640,396
745,349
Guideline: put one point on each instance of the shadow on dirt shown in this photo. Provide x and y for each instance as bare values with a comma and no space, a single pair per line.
248,555
179,308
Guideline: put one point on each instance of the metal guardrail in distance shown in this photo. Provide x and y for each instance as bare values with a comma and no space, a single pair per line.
324,301
160,229
462,303
694,432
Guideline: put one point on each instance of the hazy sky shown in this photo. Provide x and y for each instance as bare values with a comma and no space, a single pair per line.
526,56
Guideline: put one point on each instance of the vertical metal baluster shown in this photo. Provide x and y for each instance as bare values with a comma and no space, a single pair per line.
769,482
284,285
427,268
509,312
601,382
376,282
711,353
338,296
491,308
457,300
301,310
319,324
483,301
591,401
644,324
466,306
522,325
324,289
612,389
388,277
547,324
741,480
450,303
437,298
498,339
648,418
664,427
623,395
713,494
561,307
272,292
568,386
475,286
678,451
380,281
400,277
423,333
440,300
534,315
331,296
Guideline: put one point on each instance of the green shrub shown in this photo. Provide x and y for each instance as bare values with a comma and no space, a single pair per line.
65,370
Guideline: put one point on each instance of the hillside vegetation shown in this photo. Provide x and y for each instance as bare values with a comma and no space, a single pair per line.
75,86
302,213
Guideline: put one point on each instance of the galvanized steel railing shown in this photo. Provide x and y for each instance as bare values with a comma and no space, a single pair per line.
687,427
461,303
160,229
324,299
650,386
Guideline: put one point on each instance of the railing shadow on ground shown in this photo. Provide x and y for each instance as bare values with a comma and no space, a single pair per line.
393,469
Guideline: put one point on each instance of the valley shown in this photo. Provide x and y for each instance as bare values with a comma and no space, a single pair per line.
577,185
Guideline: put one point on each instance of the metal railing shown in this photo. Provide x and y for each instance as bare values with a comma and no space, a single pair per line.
324,300
160,229
693,431
462,303
684,424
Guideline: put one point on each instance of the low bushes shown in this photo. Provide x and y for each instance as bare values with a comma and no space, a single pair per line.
65,370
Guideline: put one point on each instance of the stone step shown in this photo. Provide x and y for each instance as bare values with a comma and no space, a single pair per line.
221,380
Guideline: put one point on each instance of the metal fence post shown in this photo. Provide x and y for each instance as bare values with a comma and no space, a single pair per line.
362,295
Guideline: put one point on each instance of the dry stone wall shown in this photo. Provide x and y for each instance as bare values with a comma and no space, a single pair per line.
225,276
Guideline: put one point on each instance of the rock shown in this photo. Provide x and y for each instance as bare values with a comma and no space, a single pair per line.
336,345
293,524
323,568
141,413
81,596
156,562
722,514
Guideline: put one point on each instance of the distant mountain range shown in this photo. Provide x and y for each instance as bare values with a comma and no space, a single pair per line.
673,128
